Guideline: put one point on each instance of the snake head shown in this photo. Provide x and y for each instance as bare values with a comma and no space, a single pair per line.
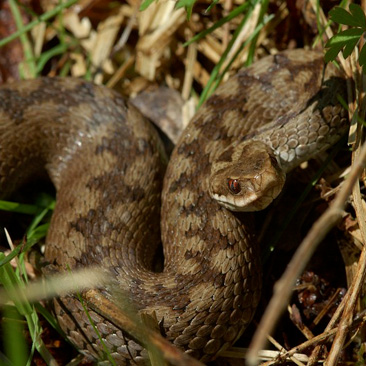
250,181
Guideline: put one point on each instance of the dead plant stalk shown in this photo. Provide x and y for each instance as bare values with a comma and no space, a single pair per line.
283,287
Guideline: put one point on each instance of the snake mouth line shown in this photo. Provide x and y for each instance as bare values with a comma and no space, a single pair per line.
238,204
250,203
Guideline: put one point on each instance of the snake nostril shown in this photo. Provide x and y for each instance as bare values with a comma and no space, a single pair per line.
234,186
273,160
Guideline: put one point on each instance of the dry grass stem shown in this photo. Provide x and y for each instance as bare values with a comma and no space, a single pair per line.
264,355
353,292
307,333
302,347
283,287
57,285
107,32
326,308
316,351
120,72
127,30
188,75
243,36
282,349
156,28
355,287
144,335
211,48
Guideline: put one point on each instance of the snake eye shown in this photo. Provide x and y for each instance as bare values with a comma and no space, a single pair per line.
234,186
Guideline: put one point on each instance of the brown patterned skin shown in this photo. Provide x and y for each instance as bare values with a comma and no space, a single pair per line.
105,162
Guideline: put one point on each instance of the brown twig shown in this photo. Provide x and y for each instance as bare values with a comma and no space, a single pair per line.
358,280
326,308
307,333
276,357
144,335
283,288
315,354
316,341
311,342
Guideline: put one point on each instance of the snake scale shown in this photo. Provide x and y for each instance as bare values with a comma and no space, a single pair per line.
107,165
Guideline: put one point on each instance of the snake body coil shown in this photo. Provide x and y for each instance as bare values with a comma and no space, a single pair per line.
106,164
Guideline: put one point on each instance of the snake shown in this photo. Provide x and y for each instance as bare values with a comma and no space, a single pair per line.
118,201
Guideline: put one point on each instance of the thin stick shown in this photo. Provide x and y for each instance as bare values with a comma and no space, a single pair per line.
325,310
275,357
144,335
358,280
316,351
283,287
311,342
42,18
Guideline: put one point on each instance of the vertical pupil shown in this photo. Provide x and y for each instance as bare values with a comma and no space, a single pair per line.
234,185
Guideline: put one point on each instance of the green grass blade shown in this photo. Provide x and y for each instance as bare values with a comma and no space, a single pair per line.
9,257
28,67
11,280
214,78
105,349
37,220
50,319
237,11
47,55
145,4
210,86
42,18
36,235
14,342
253,35
19,207
253,43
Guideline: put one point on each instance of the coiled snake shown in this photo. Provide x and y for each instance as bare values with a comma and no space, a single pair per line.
105,161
